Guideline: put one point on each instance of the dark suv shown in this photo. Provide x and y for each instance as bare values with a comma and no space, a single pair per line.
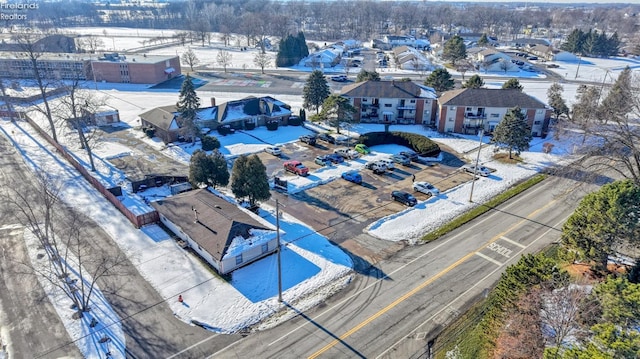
327,138
404,198
308,139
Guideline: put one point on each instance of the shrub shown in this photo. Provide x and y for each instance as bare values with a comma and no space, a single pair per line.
418,143
224,130
150,132
272,125
295,121
249,125
210,143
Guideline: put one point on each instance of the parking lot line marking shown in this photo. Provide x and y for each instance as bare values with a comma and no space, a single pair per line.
489,258
513,242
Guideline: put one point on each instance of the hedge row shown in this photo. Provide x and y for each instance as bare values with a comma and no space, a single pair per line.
418,143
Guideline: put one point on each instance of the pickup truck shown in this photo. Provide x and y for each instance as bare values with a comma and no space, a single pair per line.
347,153
296,167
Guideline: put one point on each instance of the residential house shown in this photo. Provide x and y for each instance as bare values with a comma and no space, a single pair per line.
491,60
247,112
550,53
408,58
389,42
325,58
223,234
164,120
469,110
402,102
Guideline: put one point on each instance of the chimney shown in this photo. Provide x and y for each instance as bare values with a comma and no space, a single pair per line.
213,101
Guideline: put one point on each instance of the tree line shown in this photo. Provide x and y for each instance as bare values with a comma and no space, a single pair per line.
592,43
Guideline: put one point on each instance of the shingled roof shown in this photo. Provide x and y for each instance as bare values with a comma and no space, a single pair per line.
160,117
383,89
489,98
219,221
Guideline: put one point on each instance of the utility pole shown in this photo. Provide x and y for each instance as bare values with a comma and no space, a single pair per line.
278,251
475,168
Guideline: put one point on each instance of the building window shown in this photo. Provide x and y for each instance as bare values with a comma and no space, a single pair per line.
365,100
387,105
536,122
450,119
239,259
412,101
495,115
265,248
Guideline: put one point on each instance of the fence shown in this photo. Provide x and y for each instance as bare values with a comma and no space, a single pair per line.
137,220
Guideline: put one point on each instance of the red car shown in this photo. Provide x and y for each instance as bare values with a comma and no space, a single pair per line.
296,167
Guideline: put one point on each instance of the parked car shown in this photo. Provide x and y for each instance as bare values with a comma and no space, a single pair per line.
327,138
335,158
376,166
339,78
426,188
352,176
389,163
308,139
296,167
405,161
322,160
410,155
362,148
347,153
274,150
404,197
481,170
533,58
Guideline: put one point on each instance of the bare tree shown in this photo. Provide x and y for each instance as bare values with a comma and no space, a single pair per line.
44,79
262,60
223,58
561,311
72,266
189,57
521,336
91,44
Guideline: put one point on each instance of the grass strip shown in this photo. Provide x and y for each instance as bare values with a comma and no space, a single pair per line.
483,208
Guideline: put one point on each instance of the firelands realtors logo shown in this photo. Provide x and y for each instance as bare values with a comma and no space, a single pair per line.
16,11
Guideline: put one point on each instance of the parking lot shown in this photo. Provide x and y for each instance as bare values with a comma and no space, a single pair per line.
341,209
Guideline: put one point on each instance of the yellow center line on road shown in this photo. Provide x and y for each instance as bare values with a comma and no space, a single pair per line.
425,283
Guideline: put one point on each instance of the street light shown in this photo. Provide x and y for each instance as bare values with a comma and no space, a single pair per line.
278,251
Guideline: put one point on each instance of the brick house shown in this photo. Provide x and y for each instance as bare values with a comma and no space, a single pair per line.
401,102
467,110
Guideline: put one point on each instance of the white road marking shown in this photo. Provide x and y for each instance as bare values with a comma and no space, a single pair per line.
512,242
488,258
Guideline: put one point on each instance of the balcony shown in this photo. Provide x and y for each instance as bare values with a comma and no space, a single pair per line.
475,116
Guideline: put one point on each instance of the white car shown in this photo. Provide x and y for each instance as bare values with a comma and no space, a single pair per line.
347,153
274,150
426,188
481,170
389,162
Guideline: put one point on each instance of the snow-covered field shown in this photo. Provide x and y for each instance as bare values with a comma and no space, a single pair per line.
313,267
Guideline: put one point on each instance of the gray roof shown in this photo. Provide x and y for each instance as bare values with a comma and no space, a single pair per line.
160,117
382,89
489,98
219,221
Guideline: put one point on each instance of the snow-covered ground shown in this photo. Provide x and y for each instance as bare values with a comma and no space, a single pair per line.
312,267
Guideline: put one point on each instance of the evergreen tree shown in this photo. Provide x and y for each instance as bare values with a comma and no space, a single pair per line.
613,45
604,220
365,75
249,179
483,41
303,49
513,132
574,42
440,80
257,181
554,94
291,50
315,91
188,105
474,82
591,43
208,169
620,99
454,49
239,177
337,110
512,84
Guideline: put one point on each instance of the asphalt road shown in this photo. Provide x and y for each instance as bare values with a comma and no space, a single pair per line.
400,305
